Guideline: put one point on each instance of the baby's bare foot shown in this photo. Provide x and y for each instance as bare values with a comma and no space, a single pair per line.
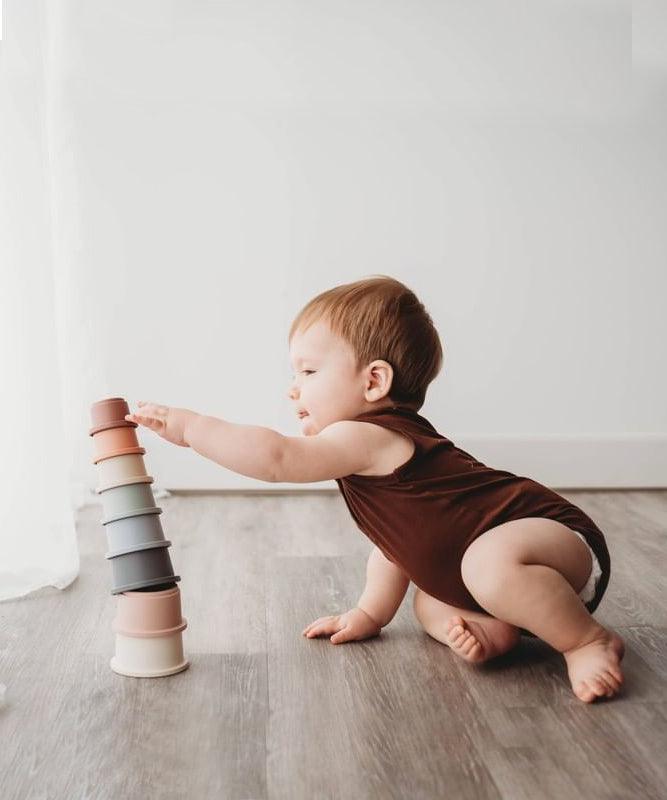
594,668
480,640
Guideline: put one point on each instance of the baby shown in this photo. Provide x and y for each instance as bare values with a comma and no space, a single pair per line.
492,554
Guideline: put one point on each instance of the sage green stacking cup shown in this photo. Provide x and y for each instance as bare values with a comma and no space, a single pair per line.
119,501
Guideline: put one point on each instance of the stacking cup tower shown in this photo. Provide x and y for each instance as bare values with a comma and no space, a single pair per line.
148,623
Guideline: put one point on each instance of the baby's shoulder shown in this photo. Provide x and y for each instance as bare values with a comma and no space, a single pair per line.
390,448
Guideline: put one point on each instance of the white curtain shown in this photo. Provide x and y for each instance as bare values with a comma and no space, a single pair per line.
37,528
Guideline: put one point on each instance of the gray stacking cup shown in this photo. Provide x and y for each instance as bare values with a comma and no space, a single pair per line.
148,565
133,530
121,500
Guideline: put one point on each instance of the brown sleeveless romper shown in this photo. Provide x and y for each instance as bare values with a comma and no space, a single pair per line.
426,513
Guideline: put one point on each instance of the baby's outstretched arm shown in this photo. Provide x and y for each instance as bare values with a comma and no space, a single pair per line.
340,449
247,449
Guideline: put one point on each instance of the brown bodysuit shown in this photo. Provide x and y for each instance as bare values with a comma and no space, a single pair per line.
426,513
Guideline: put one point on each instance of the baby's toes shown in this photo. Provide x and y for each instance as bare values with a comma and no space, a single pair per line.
584,692
611,681
606,684
592,688
455,627
457,636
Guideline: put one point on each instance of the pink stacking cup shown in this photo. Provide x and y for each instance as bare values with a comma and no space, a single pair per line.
112,439
149,614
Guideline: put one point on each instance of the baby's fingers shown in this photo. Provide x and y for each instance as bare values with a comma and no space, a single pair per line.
320,626
341,636
150,422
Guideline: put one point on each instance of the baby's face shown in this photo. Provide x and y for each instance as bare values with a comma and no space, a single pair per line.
325,384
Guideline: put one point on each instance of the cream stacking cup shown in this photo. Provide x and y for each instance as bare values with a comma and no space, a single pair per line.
149,627
120,470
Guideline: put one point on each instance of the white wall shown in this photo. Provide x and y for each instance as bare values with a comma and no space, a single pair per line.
214,165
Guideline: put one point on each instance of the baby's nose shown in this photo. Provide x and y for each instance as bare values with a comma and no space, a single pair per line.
292,393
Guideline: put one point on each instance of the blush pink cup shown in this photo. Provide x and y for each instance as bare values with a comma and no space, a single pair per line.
110,439
123,452
149,614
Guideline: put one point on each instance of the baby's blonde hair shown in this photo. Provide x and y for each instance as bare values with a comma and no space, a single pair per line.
381,319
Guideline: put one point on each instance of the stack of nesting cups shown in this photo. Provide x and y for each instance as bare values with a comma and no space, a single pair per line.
148,623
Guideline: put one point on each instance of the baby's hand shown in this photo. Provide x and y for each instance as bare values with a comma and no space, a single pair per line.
353,625
169,423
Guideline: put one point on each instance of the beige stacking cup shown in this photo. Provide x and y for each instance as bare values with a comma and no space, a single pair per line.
120,470
149,627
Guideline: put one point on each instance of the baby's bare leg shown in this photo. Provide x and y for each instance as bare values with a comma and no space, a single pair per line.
473,635
528,572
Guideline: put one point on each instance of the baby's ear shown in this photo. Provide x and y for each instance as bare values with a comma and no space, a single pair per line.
380,378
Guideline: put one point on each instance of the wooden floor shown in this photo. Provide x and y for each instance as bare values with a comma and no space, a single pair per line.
262,712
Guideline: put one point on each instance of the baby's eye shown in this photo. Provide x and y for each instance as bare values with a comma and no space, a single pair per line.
308,371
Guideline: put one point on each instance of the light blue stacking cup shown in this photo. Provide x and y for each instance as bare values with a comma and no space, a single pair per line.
120,500
132,530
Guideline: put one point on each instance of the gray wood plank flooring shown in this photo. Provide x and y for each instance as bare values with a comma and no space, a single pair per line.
263,712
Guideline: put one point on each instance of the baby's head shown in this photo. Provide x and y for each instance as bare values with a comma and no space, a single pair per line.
358,347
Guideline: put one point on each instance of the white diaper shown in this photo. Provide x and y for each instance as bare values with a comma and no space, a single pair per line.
588,592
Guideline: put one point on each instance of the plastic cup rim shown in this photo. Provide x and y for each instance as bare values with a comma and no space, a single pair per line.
125,482
107,426
138,512
141,634
145,584
140,548
162,673
108,400
125,451
161,593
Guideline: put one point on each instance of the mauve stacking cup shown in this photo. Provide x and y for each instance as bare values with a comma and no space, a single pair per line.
110,413
117,470
120,501
133,530
145,565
